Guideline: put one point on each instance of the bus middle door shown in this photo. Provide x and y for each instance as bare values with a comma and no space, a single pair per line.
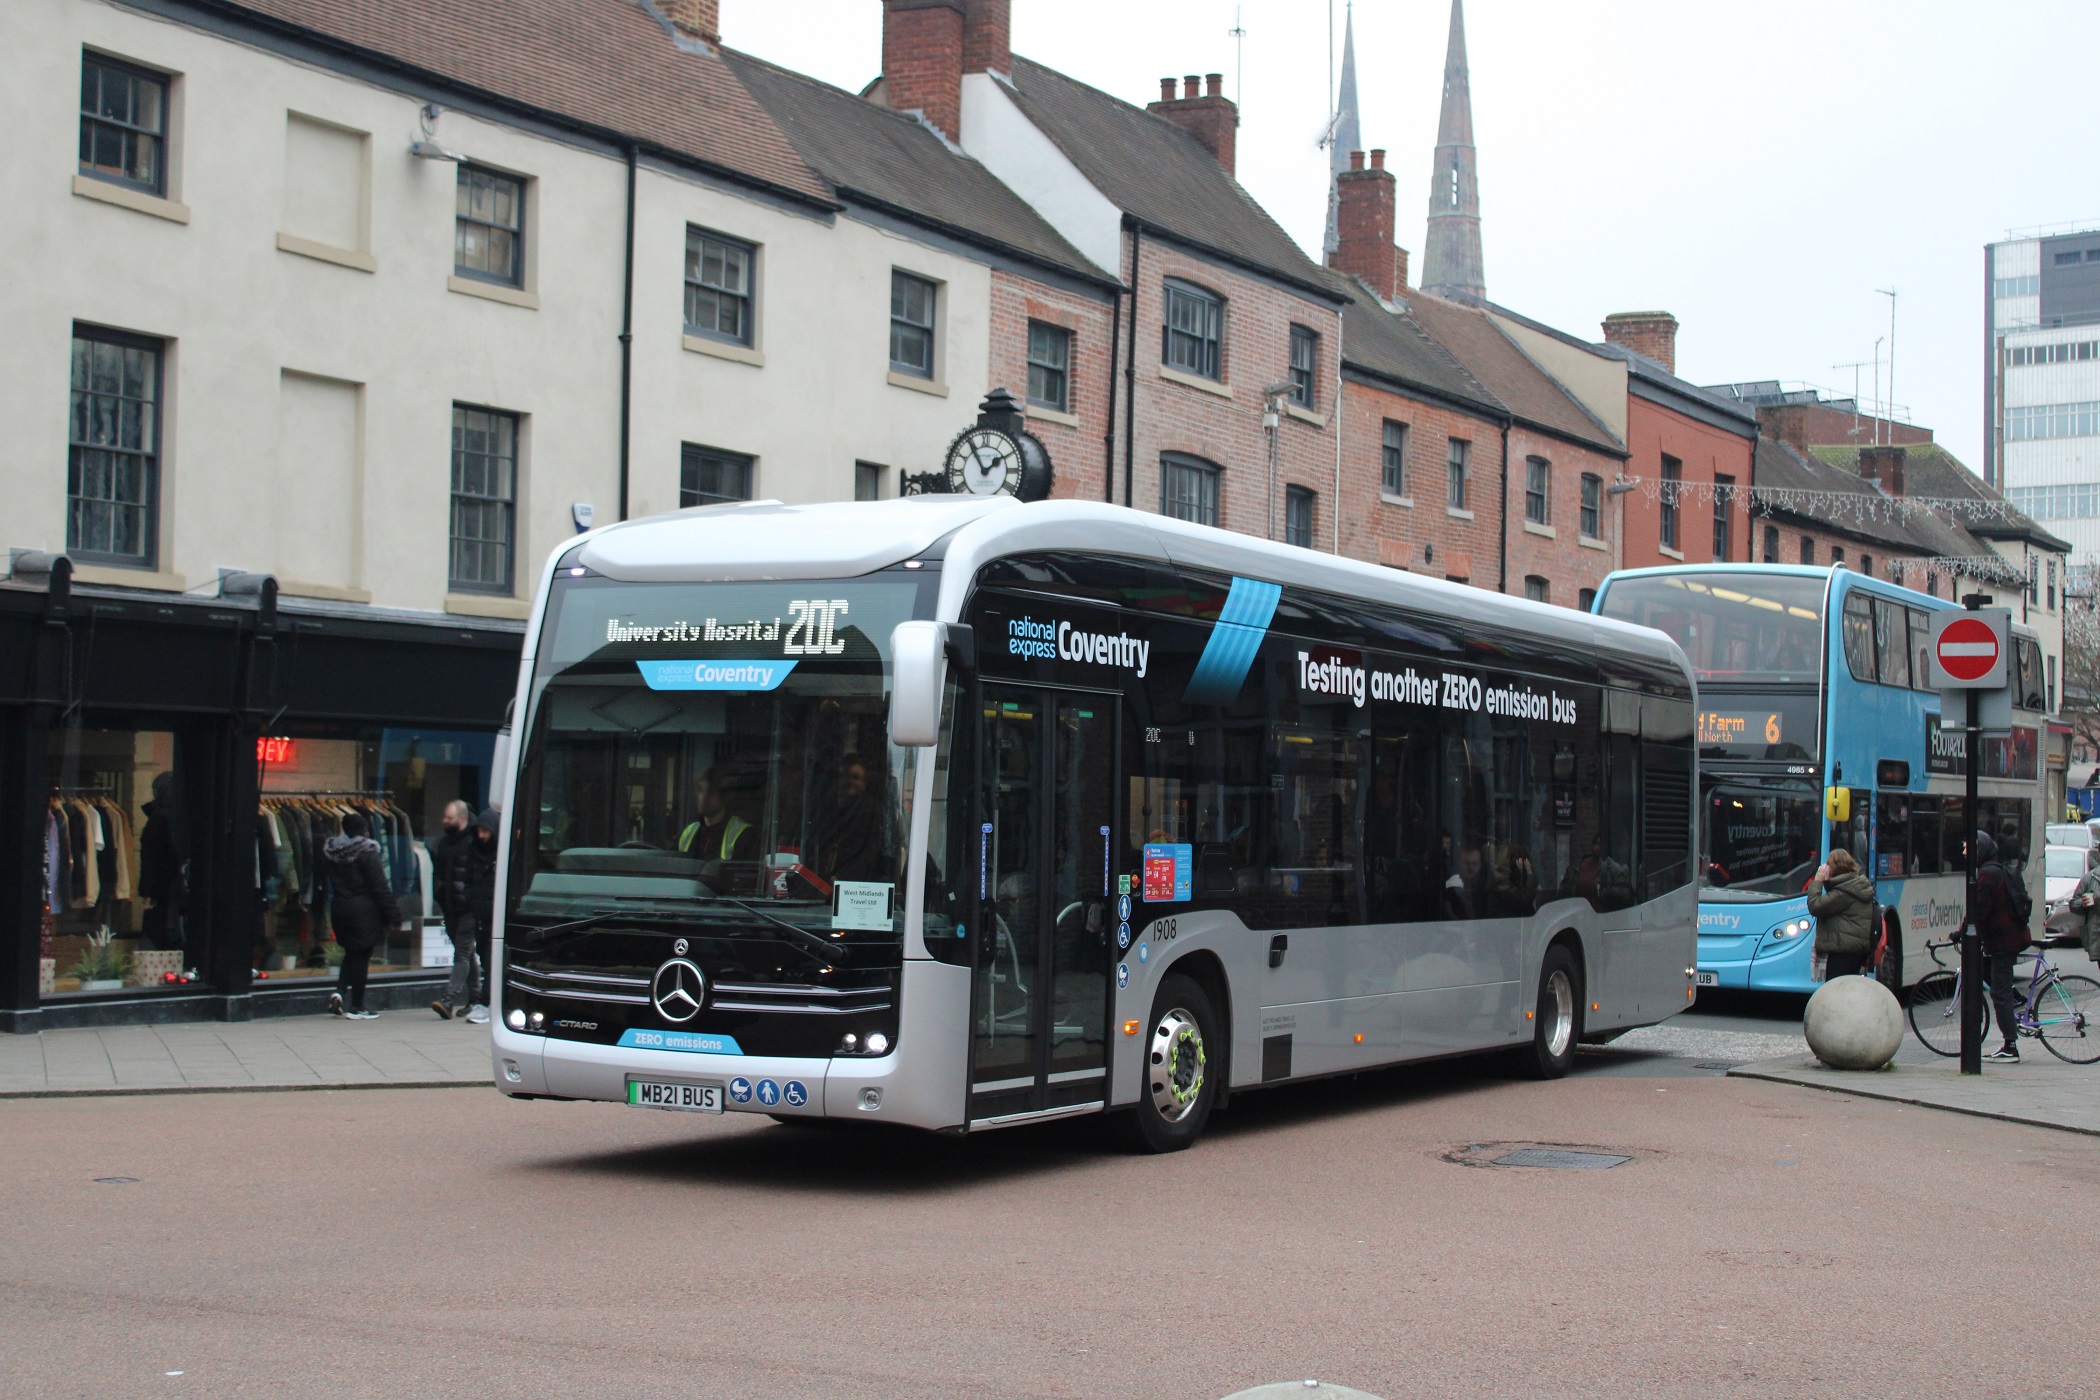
1040,996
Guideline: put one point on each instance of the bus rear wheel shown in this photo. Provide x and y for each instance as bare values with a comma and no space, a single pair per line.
1180,1080
1556,1022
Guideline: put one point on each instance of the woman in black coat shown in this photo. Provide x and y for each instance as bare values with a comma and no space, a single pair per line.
362,910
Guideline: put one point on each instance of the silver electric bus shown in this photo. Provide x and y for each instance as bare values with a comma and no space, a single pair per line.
960,812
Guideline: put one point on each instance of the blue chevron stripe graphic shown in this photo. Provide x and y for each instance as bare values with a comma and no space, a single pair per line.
1250,605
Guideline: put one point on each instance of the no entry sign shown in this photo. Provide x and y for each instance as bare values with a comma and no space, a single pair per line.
1969,648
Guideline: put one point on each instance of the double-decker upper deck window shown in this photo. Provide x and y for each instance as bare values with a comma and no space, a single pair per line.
1305,354
484,499
113,450
1538,490
1195,331
123,124
489,227
1592,506
717,286
1392,478
1049,365
912,301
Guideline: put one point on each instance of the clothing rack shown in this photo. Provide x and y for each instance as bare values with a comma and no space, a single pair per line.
97,790
378,794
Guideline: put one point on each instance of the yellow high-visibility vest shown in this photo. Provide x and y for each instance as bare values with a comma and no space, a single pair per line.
732,829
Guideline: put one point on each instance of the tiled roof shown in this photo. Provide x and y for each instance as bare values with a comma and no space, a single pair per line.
1641,367
1931,470
1397,348
607,64
1530,393
895,160
1780,468
1156,172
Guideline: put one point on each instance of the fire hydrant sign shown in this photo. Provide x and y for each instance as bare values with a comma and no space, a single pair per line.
1969,648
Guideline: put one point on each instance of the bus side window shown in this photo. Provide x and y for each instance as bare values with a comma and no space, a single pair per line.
1924,836
1892,837
1859,636
1954,836
1617,799
1892,642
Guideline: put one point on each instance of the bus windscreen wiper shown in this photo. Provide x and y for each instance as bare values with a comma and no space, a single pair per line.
823,947
554,935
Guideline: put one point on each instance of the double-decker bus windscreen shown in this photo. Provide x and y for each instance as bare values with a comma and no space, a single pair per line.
1732,626
1762,839
715,750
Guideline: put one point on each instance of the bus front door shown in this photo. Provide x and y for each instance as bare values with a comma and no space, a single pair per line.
1046,927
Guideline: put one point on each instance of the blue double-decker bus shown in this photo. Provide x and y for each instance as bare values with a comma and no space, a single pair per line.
1812,734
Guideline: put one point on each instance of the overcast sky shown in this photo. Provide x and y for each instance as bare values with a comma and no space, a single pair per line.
1756,170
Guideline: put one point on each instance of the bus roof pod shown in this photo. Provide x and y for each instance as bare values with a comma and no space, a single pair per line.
757,540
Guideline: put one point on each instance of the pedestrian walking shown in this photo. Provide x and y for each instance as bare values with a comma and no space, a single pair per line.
449,862
361,910
1842,899
2003,908
481,899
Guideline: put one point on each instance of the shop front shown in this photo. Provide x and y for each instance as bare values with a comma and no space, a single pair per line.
171,768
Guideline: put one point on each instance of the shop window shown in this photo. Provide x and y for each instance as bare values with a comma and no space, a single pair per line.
115,856
484,499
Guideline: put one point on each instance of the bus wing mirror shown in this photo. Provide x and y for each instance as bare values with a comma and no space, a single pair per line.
1837,804
918,666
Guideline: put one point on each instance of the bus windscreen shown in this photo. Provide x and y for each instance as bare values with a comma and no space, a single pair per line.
1761,840
1733,627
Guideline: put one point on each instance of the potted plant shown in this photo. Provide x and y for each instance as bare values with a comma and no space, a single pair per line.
101,968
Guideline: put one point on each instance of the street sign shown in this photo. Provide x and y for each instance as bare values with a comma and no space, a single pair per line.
1969,648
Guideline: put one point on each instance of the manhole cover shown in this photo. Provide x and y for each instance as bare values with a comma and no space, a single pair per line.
1558,1157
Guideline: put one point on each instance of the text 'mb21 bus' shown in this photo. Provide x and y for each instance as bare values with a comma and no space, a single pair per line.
1812,679
960,813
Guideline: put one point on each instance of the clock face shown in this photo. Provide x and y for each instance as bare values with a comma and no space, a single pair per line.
985,462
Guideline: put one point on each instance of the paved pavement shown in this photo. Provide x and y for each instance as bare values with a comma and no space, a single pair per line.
1760,1240
398,1049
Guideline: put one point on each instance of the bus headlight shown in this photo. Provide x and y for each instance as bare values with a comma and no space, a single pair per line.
1792,928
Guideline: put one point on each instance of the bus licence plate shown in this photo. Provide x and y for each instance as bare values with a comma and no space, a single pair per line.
680,1098
1706,979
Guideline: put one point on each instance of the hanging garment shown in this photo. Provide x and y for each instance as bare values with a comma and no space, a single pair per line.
77,847
54,862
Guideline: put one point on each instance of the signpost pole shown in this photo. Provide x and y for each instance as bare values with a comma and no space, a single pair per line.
1971,938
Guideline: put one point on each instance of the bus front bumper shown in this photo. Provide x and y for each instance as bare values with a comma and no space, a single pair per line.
1758,962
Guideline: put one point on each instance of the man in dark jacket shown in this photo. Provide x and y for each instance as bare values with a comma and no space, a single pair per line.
481,902
1842,899
362,910
2005,935
449,870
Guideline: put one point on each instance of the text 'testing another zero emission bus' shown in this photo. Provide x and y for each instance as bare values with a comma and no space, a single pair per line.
961,813
1790,707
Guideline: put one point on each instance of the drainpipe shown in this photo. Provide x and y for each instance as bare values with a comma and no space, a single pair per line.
1108,439
1502,568
1750,498
1137,243
627,333
1334,509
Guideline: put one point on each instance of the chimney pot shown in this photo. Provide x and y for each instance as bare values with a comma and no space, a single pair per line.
1364,221
1190,83
1213,84
1166,89
1884,466
1650,333
1378,159
988,36
1213,119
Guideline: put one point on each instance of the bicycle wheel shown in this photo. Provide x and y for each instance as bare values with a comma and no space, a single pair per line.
1935,1013
2068,1011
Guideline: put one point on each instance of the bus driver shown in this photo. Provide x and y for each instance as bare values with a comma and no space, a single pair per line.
720,834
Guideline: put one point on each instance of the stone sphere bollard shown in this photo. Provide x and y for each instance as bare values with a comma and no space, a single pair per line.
1853,1023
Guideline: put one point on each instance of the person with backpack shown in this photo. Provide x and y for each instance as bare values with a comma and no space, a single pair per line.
362,908
1842,899
2004,914
2085,903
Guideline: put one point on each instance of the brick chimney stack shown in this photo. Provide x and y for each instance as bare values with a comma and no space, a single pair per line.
927,47
696,19
1650,333
1364,219
1884,467
1208,115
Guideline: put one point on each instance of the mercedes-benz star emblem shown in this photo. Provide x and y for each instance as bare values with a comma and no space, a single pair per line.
678,990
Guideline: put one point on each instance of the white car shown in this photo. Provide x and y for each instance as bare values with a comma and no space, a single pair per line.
2079,834
2062,867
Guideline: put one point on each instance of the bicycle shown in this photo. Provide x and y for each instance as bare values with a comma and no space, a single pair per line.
2061,1009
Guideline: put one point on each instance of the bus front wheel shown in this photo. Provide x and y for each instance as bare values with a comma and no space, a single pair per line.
1556,1022
1180,1076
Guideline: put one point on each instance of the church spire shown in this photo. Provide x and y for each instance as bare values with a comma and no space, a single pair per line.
1344,136
1451,262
